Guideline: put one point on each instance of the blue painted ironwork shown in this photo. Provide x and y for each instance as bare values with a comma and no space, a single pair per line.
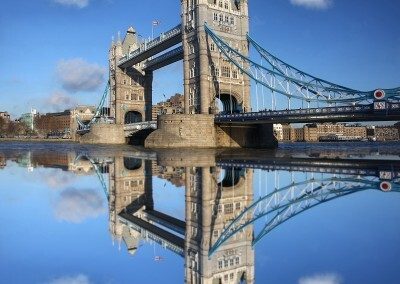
356,113
147,45
85,127
96,169
290,82
283,204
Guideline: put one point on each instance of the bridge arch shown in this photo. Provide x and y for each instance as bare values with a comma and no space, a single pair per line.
227,102
133,116
132,164
231,177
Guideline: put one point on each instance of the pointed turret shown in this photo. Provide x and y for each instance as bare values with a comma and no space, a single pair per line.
130,42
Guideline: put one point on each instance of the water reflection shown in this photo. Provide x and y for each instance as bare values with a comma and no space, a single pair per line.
223,220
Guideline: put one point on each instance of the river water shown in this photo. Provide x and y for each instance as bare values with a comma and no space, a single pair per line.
304,213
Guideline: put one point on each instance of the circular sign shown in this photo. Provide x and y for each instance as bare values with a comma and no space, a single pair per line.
386,186
379,94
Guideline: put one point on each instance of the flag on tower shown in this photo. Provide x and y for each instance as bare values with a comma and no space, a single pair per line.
156,22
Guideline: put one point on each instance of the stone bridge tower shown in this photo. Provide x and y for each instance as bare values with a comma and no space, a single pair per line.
130,88
210,206
208,76
130,189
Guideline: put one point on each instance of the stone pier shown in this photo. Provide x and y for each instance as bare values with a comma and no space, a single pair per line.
199,131
104,134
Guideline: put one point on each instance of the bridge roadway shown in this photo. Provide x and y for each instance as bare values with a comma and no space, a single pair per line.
310,115
384,169
147,230
150,48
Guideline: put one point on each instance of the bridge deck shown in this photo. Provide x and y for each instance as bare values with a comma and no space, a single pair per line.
167,221
155,46
164,59
155,233
357,167
328,114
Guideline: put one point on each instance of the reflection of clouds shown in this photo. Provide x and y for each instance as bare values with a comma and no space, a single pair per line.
312,4
327,278
76,205
57,178
78,279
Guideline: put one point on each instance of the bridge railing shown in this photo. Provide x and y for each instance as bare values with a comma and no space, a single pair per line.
308,111
152,43
163,57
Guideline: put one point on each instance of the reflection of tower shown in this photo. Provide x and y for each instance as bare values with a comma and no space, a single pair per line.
130,190
209,207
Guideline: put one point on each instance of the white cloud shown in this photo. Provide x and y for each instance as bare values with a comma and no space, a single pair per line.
75,3
327,278
313,4
59,101
56,178
76,205
78,279
78,75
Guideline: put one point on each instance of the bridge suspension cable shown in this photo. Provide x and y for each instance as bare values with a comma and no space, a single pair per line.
284,79
99,112
289,201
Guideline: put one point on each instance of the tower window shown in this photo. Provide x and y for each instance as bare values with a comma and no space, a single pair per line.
226,5
215,17
216,72
192,72
212,47
235,76
226,72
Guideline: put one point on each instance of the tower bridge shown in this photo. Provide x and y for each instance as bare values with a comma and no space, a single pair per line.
217,236
212,40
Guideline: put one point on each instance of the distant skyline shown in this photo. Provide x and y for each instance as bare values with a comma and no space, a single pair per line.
54,53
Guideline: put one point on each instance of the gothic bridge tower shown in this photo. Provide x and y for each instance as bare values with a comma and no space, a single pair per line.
130,189
131,88
208,77
211,204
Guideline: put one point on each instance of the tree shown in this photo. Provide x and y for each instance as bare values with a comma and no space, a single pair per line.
2,126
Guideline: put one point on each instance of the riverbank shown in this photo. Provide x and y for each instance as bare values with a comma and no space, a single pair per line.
38,140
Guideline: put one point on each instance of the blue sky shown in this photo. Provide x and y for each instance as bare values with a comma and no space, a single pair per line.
53,53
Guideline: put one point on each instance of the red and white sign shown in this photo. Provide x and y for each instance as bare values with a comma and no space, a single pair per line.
386,186
379,94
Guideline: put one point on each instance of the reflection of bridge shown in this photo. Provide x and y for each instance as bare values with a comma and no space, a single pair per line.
213,42
217,236
212,202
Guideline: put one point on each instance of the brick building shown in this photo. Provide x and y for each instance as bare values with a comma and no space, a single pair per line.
174,105
59,123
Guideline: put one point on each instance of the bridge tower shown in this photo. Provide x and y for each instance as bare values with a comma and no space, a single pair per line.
130,189
131,88
208,77
209,206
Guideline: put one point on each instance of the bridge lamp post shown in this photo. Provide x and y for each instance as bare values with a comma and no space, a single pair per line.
154,23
